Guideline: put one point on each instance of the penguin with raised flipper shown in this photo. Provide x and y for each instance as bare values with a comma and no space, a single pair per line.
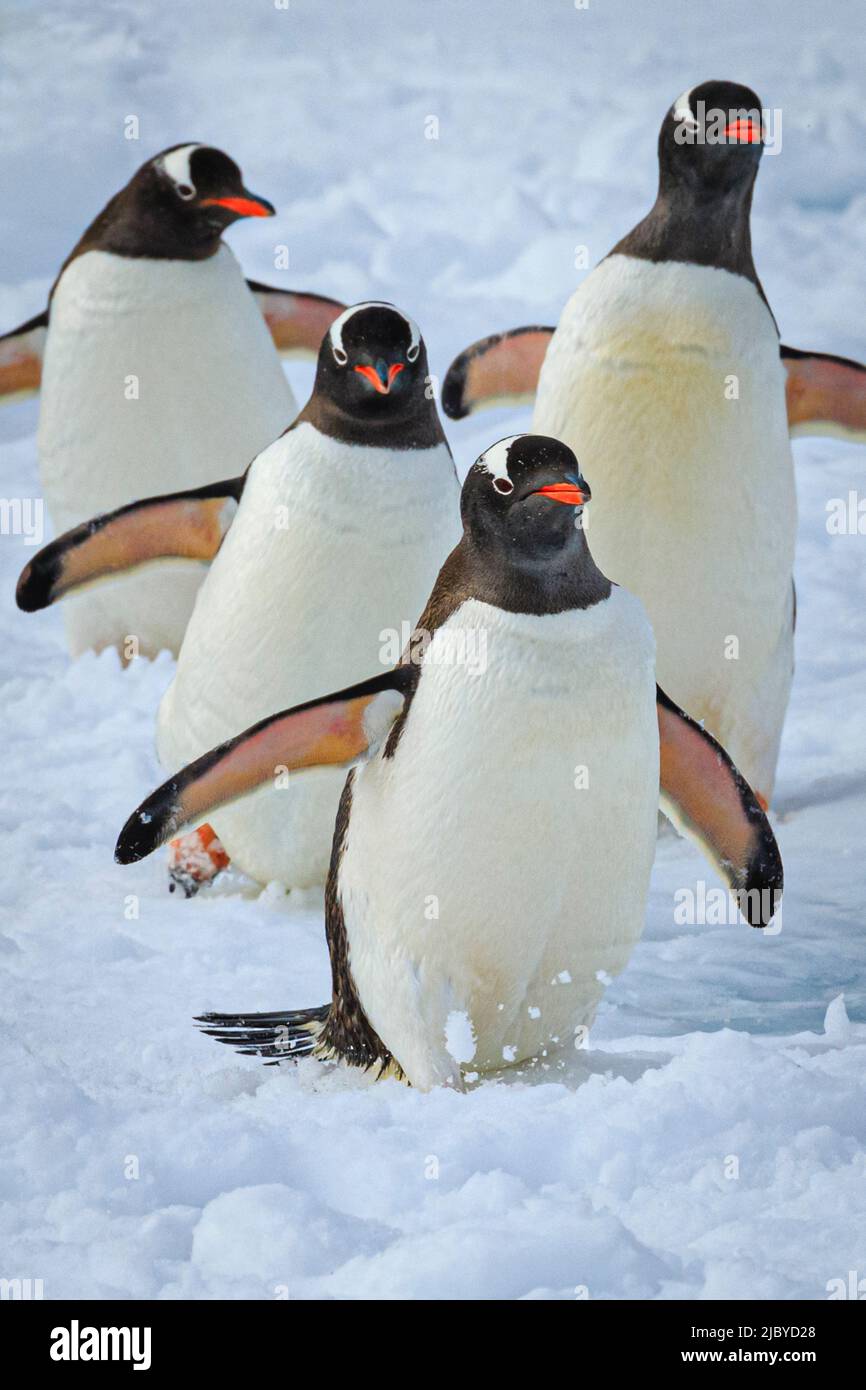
492,851
666,375
158,373
321,556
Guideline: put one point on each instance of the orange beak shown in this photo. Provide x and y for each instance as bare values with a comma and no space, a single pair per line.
569,493
244,207
382,386
744,132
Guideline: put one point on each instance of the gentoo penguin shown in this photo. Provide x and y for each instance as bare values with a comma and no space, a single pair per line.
340,528
665,375
492,852
158,372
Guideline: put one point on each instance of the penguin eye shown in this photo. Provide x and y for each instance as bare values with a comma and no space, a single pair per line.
412,352
503,486
185,191
341,357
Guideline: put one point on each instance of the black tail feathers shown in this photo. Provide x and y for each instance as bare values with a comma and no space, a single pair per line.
279,1037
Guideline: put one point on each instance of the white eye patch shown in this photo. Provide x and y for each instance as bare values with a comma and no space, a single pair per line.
495,461
175,165
683,109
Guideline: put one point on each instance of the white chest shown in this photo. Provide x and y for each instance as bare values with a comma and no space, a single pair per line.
158,375
666,381
501,859
333,547
332,555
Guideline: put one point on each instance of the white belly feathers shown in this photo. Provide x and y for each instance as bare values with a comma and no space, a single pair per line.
503,853
666,381
158,375
334,545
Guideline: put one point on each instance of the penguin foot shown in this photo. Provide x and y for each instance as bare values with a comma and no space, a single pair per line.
194,860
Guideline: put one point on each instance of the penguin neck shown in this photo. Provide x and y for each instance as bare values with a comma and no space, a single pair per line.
419,428
124,228
489,571
700,225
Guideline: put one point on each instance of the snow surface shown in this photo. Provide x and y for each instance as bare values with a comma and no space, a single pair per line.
709,1142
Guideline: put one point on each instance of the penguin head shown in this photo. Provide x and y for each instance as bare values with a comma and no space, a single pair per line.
525,495
180,203
711,139
373,364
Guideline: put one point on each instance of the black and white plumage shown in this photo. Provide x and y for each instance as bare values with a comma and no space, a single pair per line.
157,372
492,850
666,375
320,556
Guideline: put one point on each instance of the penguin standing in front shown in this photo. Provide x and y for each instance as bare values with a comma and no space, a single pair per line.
492,853
157,372
665,374
322,555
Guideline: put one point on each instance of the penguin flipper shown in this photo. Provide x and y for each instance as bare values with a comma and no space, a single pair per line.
297,321
500,370
21,352
185,525
708,800
825,395
335,731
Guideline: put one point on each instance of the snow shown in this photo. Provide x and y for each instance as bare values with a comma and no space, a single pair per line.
708,1142
460,1036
